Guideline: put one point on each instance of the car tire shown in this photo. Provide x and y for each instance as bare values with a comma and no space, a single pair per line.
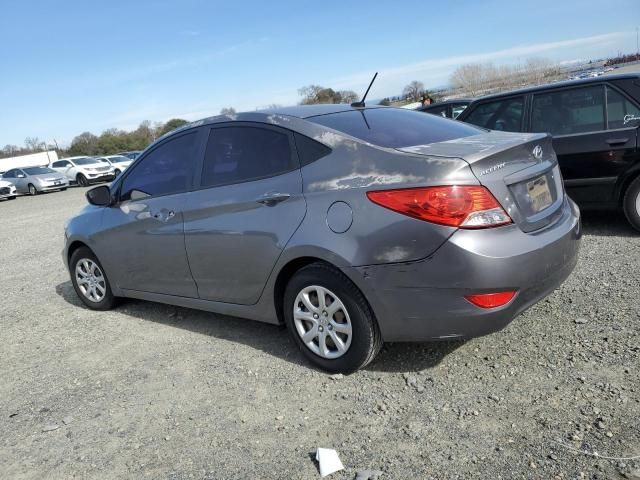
353,315
33,191
12,198
82,180
631,203
63,189
90,281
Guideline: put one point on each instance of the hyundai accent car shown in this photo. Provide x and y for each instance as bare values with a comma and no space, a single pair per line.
84,170
35,180
351,226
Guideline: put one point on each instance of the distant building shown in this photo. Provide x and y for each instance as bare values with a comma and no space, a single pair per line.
31,160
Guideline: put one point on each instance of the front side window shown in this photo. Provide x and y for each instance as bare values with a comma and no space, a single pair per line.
621,112
165,170
440,111
457,109
504,115
565,112
240,154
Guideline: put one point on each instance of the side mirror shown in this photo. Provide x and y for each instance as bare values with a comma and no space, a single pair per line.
100,196
21,175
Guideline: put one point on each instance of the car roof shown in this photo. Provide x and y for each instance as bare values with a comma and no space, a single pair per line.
74,158
306,111
565,83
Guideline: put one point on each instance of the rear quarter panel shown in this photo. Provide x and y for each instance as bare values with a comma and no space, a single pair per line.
376,235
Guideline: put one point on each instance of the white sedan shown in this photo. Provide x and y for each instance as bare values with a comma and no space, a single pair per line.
118,162
7,190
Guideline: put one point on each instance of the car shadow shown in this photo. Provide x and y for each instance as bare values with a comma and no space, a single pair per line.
268,338
607,223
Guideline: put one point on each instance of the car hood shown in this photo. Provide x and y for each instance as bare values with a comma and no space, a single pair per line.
5,183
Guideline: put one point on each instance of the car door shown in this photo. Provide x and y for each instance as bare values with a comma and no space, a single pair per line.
142,235
63,167
590,156
12,176
246,209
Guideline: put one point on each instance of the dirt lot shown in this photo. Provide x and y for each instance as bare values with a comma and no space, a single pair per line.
153,391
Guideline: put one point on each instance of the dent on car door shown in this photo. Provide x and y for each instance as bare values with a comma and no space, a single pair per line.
248,206
142,238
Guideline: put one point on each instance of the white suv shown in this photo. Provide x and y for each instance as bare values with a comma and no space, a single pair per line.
84,170
118,162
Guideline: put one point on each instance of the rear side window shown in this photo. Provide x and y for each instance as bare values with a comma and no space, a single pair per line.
457,109
621,112
577,110
395,127
167,169
240,154
309,150
504,115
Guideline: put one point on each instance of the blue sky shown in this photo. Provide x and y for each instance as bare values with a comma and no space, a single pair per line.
72,66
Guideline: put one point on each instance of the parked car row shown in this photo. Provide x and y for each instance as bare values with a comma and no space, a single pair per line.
594,125
60,174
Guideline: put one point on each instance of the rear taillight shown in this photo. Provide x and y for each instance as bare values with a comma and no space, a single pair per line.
491,300
464,206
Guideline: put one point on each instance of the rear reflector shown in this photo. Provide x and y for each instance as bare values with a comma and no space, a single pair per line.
464,206
491,300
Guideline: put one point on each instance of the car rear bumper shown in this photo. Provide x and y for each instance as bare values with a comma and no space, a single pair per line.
424,300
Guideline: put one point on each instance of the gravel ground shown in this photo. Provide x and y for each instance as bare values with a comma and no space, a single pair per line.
154,391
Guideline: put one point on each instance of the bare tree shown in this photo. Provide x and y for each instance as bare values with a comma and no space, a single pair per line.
33,143
314,94
228,111
413,90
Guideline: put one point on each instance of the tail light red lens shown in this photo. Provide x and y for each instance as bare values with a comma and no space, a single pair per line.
491,300
464,206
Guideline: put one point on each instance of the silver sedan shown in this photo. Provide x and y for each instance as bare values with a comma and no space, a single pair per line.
34,180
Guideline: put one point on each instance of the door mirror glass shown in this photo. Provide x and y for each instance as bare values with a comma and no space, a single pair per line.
21,175
100,196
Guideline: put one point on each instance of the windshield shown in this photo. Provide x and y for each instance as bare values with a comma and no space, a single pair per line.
38,170
118,159
85,161
395,127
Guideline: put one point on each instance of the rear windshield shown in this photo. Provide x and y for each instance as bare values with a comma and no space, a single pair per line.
395,127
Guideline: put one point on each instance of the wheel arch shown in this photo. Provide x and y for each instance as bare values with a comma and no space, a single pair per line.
624,184
285,274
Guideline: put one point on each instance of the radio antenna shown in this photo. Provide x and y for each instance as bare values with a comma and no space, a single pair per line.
360,104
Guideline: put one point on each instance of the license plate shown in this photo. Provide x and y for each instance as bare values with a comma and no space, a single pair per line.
539,194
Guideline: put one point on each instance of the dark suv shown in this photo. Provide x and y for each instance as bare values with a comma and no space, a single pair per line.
594,123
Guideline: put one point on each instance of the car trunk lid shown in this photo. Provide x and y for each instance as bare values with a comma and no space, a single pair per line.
520,170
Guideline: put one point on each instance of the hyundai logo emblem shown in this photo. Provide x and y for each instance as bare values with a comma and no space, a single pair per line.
537,152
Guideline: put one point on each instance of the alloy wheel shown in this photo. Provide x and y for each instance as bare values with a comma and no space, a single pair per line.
90,280
322,322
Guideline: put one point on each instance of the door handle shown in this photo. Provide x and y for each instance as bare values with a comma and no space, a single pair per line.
163,215
273,198
617,141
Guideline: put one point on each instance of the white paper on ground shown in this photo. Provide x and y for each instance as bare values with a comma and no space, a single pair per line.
329,461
